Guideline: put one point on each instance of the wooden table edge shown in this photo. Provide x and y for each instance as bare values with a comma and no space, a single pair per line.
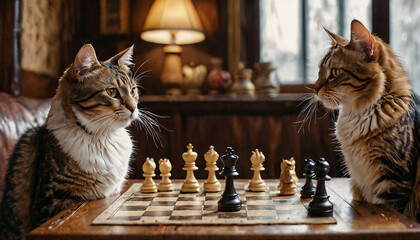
175,231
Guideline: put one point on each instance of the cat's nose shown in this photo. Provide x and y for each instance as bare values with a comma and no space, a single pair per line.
131,108
316,89
130,104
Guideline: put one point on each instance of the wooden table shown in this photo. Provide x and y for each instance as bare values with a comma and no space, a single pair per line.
355,220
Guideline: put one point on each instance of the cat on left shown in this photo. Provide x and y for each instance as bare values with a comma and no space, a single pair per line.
83,150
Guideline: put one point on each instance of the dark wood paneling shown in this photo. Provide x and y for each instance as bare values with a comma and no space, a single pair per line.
380,19
39,86
10,47
250,32
244,123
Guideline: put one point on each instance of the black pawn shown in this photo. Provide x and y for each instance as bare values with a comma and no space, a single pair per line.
230,201
308,189
320,206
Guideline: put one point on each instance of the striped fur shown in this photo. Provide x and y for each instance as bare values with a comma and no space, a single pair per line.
83,150
378,124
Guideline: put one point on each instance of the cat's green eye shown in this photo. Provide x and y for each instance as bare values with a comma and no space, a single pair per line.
112,92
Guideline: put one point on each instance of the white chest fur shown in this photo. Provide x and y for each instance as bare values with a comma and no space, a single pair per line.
352,133
105,156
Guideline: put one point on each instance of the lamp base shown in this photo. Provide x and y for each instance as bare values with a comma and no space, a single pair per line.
171,76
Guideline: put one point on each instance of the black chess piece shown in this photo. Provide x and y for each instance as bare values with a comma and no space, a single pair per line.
230,201
320,206
308,189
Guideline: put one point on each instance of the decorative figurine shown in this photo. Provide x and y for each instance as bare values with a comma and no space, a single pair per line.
262,81
219,80
193,78
243,85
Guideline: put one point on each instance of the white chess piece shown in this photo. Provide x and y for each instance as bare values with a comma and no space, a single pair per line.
165,168
256,184
190,183
211,184
149,186
286,185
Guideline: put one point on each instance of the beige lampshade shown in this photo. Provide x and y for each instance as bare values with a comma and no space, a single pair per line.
173,22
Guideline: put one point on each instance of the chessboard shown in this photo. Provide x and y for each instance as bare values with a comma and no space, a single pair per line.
136,208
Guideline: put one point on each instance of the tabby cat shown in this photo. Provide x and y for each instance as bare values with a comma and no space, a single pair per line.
378,126
83,150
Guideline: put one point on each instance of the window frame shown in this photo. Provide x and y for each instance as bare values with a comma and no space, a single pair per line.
244,43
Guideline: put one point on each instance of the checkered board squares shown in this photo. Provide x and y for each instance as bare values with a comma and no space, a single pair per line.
136,208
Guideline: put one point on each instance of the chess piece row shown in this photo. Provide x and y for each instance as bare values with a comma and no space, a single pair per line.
165,167
190,184
287,186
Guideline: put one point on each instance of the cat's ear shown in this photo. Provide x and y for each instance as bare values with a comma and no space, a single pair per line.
124,58
84,61
361,38
337,39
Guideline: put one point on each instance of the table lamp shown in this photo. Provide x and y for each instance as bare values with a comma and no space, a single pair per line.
172,22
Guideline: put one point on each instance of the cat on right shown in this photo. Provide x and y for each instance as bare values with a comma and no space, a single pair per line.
378,126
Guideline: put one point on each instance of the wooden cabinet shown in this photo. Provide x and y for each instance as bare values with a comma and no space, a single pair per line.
242,122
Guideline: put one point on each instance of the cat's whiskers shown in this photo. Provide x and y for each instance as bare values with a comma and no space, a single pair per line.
142,75
137,77
335,99
133,74
147,120
309,109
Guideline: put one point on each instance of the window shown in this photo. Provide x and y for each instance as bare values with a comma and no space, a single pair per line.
405,36
292,38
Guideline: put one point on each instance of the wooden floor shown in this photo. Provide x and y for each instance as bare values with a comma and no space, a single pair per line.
355,220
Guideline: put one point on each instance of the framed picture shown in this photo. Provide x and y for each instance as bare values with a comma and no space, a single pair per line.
115,17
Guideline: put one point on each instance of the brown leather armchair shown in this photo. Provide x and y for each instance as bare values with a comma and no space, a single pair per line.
17,114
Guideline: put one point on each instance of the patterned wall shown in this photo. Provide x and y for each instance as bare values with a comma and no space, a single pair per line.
47,26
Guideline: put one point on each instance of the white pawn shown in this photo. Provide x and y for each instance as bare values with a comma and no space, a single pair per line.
211,184
190,183
256,184
165,168
149,186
